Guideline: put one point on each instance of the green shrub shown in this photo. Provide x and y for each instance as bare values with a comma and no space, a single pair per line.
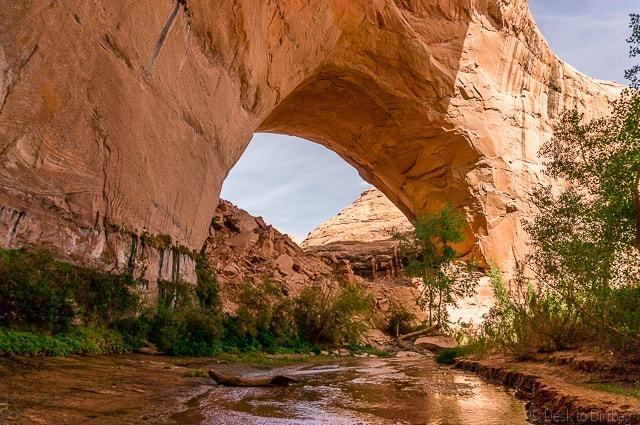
201,331
401,320
207,289
40,293
187,320
32,295
263,321
52,308
526,320
134,330
331,313
430,249
77,341
449,355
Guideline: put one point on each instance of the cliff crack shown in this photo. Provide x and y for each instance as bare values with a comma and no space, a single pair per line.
163,36
14,80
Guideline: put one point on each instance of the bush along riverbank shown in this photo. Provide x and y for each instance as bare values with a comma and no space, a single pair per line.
48,307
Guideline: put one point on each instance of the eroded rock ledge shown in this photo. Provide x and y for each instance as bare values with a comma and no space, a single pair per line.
553,398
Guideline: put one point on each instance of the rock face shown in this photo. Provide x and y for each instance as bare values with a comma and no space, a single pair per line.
129,115
244,248
359,237
368,219
435,343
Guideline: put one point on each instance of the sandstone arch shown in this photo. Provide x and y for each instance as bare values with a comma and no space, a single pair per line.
119,119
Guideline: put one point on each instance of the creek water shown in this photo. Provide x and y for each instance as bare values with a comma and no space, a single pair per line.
362,391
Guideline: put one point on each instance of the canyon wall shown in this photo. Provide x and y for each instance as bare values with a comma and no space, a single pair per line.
120,120
361,236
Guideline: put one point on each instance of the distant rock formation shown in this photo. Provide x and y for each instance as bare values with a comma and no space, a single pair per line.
128,115
243,248
369,218
360,237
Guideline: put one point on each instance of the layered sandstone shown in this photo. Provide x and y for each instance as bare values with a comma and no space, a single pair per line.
360,236
371,217
125,117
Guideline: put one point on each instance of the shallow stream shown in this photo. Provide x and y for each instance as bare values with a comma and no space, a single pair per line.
362,391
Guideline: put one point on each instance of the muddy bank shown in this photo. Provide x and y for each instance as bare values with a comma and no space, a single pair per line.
559,389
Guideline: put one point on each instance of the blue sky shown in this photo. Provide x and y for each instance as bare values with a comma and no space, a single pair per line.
296,184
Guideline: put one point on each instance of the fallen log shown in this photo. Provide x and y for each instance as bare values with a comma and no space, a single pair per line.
229,380
420,332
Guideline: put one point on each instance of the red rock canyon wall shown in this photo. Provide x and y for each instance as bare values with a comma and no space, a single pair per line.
120,119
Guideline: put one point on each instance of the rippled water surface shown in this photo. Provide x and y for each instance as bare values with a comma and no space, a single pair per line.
363,391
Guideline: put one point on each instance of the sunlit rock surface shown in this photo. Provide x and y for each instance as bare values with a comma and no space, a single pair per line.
125,117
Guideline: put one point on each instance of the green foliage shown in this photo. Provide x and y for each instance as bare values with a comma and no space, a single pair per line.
52,308
526,319
633,74
622,388
333,313
449,355
207,289
40,293
583,274
189,332
187,320
160,242
401,320
263,320
586,236
78,341
431,258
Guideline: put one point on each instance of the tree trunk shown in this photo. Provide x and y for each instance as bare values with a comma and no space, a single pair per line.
250,381
430,329
636,204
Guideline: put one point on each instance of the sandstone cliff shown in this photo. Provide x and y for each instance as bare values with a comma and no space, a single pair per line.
120,118
359,237
369,218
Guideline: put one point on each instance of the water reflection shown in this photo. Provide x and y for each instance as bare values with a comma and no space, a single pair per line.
363,391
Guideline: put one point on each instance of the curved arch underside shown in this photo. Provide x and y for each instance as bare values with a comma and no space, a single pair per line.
119,118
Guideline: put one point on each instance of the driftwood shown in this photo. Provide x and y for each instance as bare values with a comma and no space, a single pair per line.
420,332
229,380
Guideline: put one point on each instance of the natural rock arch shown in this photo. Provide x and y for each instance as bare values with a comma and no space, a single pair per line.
120,119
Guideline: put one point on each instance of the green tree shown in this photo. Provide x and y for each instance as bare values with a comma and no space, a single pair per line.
333,312
586,235
429,248
633,74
